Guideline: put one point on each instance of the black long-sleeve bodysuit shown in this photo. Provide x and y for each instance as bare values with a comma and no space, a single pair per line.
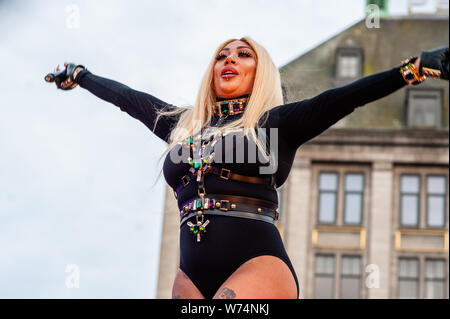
231,241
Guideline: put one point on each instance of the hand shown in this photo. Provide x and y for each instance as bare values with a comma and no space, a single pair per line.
69,82
65,79
435,63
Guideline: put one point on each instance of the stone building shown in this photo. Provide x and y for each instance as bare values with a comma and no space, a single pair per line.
364,212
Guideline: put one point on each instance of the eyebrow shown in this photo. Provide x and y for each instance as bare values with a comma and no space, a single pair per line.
239,47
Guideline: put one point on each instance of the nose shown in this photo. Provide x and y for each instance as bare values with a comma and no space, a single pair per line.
230,59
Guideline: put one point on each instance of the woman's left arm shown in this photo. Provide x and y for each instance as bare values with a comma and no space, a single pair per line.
304,120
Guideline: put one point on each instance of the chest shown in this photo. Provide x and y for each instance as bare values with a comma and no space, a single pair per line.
233,151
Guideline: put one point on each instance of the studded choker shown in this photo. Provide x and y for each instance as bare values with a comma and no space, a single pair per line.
231,106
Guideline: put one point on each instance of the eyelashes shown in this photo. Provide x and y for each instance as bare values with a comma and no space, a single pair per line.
242,53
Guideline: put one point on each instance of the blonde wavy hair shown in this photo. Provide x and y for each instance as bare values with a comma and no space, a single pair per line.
266,94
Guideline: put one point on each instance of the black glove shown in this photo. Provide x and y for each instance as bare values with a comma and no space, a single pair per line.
434,63
64,78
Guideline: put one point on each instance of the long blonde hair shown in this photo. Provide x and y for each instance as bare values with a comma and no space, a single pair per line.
266,94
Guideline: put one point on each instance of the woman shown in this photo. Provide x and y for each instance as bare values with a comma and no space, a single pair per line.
229,245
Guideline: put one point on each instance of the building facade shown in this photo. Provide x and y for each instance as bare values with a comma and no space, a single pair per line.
365,210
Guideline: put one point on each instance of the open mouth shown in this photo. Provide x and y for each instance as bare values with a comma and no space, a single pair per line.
228,73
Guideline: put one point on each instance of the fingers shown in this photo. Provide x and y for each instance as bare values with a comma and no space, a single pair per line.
66,83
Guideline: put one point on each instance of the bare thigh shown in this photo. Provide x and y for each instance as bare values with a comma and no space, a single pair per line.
184,288
262,277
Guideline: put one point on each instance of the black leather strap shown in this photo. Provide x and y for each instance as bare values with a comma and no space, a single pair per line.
231,213
226,174
232,205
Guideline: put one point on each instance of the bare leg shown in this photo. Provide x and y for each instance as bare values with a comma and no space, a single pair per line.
184,288
262,277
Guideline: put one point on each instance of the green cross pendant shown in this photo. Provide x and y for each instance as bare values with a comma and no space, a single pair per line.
198,229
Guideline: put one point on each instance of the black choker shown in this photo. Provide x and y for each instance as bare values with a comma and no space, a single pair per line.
230,106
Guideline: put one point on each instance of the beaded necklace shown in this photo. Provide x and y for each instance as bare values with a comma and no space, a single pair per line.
200,166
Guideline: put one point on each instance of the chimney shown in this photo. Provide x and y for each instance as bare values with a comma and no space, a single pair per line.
382,6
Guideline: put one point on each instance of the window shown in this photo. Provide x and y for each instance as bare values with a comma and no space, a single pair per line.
353,199
348,66
408,278
436,190
328,186
340,195
324,277
422,277
424,108
342,282
442,5
348,63
423,198
409,200
434,279
351,277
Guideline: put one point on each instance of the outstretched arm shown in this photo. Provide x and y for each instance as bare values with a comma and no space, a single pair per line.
304,120
140,105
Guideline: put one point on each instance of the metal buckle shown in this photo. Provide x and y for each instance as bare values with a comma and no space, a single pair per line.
182,179
224,201
228,173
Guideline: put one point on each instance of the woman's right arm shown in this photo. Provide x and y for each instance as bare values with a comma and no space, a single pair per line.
140,105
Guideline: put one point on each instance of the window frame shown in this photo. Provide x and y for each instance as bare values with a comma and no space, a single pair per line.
332,276
341,275
425,280
439,111
423,171
418,280
419,201
442,195
348,51
361,203
337,283
422,258
341,169
336,192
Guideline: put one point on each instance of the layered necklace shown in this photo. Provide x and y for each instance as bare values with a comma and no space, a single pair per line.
201,157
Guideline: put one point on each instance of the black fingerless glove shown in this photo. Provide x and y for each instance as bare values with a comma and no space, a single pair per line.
64,79
435,63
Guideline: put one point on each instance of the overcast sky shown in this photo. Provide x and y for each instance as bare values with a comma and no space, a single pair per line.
76,173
